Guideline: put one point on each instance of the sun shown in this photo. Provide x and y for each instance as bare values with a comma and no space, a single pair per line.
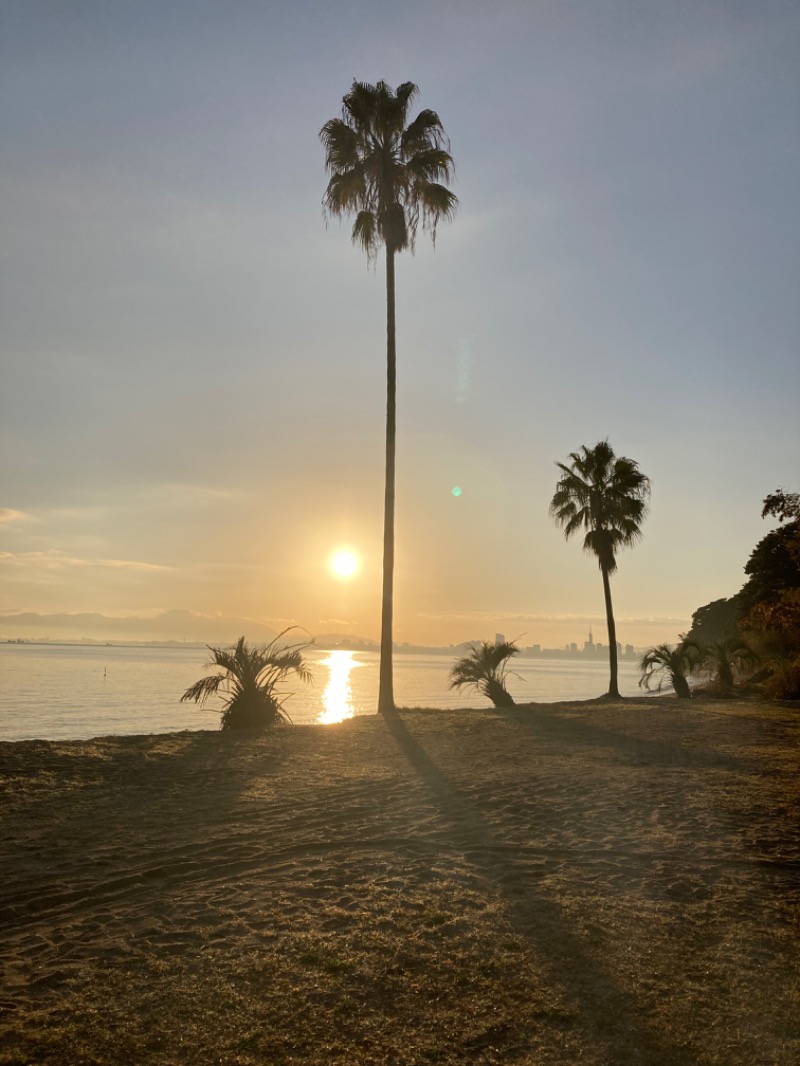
343,564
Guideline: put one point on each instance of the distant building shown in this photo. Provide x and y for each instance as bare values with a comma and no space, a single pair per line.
589,645
499,638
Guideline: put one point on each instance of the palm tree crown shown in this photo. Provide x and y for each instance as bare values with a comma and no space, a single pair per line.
249,679
388,174
605,497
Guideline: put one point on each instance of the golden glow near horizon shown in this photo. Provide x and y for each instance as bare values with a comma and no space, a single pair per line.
337,699
344,564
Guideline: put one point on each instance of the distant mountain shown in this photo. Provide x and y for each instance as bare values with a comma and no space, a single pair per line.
175,625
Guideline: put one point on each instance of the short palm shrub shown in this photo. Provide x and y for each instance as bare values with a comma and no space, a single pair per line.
723,661
485,667
248,680
670,665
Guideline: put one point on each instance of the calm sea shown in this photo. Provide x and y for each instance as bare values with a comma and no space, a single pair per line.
70,692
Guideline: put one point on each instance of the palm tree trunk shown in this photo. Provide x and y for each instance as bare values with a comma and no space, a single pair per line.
386,683
613,684
681,686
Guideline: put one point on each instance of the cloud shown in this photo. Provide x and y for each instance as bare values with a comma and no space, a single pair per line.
56,560
9,515
551,619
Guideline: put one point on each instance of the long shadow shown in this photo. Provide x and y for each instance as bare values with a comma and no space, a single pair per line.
639,749
538,918
93,810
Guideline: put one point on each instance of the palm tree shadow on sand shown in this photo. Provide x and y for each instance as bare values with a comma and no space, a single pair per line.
537,917
636,750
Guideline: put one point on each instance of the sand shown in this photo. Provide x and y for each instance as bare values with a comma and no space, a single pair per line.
558,884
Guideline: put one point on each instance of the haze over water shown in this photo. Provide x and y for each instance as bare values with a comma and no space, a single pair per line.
64,693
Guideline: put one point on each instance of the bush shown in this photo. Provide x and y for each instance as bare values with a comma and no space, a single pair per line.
784,682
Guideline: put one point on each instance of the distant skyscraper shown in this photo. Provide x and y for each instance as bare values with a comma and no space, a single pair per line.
499,638
589,645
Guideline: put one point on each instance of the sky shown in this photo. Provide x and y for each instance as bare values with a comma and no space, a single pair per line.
192,390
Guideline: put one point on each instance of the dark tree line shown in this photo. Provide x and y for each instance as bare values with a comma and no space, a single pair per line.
766,611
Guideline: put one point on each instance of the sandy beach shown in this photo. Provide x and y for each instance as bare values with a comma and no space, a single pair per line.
564,883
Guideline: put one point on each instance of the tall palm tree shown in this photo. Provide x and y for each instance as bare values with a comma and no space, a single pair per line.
485,667
249,679
389,174
607,497
673,664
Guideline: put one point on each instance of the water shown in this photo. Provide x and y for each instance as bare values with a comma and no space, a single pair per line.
64,692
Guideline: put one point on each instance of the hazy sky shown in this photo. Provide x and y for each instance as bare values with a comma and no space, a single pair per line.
193,365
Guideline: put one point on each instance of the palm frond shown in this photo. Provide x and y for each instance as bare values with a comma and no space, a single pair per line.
341,146
672,664
485,667
202,689
425,131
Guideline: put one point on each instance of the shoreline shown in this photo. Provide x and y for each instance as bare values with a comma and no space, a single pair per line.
630,701
643,702
593,881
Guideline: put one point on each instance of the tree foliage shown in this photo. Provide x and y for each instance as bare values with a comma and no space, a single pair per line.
766,611
782,505
248,680
770,599
773,568
485,667
715,621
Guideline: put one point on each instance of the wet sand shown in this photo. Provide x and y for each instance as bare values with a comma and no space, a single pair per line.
564,883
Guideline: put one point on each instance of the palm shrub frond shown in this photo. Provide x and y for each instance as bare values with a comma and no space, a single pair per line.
485,667
249,681
723,661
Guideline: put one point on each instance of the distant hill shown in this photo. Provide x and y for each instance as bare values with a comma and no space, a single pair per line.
176,625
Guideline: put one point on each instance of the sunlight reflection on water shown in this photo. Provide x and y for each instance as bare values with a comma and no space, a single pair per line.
337,699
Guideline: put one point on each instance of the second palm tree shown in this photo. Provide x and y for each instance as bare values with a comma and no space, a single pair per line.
389,175
607,497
